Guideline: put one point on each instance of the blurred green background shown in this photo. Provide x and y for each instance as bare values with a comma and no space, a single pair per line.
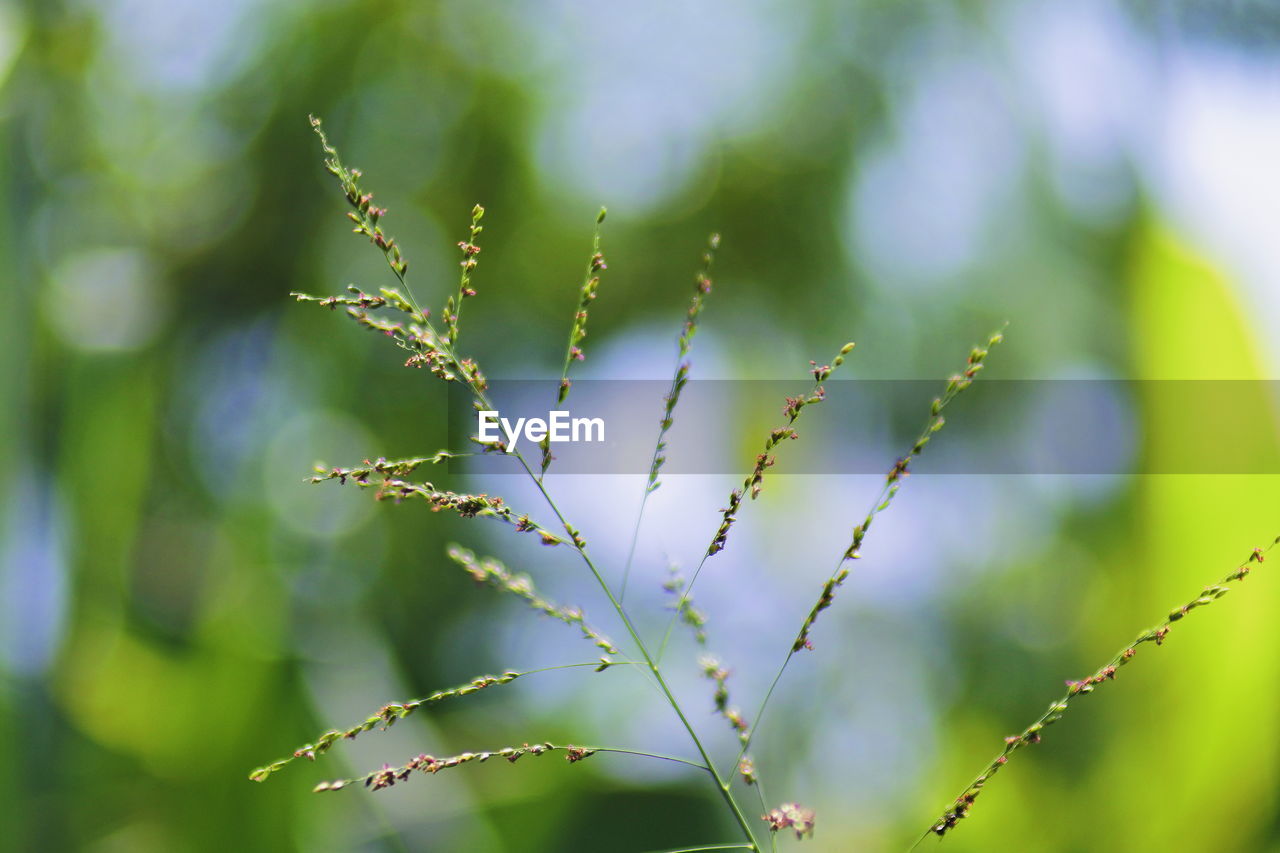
177,607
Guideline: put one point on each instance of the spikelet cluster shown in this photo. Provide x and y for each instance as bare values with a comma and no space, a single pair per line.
893,484
385,717
490,571
713,670
701,289
765,460
470,248
388,776
381,477
1031,735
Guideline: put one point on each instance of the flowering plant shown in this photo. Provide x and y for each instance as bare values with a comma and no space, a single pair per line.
396,313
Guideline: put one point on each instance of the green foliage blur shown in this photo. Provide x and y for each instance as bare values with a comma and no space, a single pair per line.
177,607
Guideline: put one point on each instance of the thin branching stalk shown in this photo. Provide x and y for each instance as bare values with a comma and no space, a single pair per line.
388,776
470,249
722,785
709,665
578,329
490,571
410,337
755,480
478,388
438,354
1031,735
579,544
706,847
701,289
752,485
382,476
956,385
747,772
392,712
363,212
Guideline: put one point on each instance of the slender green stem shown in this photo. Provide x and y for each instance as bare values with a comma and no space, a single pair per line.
707,847
764,809
721,784
880,501
755,721
648,490
814,395
631,551
594,663
646,755
702,287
